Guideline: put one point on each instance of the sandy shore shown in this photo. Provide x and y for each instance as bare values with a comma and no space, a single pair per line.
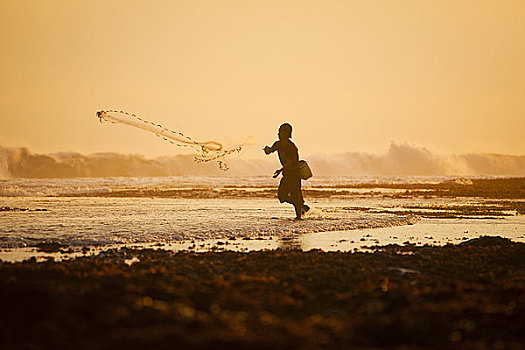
470,295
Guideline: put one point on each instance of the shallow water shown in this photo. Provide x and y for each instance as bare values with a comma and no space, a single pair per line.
109,185
96,221
205,210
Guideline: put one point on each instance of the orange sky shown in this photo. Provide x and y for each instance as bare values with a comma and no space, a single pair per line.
348,75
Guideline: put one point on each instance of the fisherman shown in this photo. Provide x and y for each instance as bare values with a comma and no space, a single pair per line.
290,185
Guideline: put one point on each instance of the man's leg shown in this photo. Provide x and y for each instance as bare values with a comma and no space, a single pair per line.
300,199
283,193
297,196
298,210
287,193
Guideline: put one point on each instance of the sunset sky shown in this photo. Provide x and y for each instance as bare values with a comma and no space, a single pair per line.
348,75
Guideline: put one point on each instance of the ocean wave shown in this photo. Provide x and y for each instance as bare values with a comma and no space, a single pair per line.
399,160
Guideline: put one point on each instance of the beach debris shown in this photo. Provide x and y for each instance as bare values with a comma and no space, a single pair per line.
488,241
21,209
49,247
131,261
402,270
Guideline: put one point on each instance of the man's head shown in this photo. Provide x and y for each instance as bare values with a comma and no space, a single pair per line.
285,131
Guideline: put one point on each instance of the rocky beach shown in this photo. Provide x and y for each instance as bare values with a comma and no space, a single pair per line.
470,295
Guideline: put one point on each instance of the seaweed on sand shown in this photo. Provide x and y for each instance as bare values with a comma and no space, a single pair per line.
469,295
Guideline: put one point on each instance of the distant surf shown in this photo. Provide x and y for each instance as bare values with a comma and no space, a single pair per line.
399,160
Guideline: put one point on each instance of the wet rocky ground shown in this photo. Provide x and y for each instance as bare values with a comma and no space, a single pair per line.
470,295
496,188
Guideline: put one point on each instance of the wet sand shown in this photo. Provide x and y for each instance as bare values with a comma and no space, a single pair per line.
469,295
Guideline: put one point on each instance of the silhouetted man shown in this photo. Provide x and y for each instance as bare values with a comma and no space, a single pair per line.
290,185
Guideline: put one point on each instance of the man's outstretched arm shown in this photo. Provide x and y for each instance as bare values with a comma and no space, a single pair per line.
268,149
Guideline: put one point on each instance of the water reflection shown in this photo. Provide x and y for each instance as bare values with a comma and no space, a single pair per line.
290,242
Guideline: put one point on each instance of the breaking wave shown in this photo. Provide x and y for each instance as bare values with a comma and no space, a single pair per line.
400,159
405,160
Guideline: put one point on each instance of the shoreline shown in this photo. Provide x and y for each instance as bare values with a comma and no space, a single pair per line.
468,295
425,232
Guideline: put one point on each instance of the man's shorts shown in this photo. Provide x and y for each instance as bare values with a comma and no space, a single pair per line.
290,189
